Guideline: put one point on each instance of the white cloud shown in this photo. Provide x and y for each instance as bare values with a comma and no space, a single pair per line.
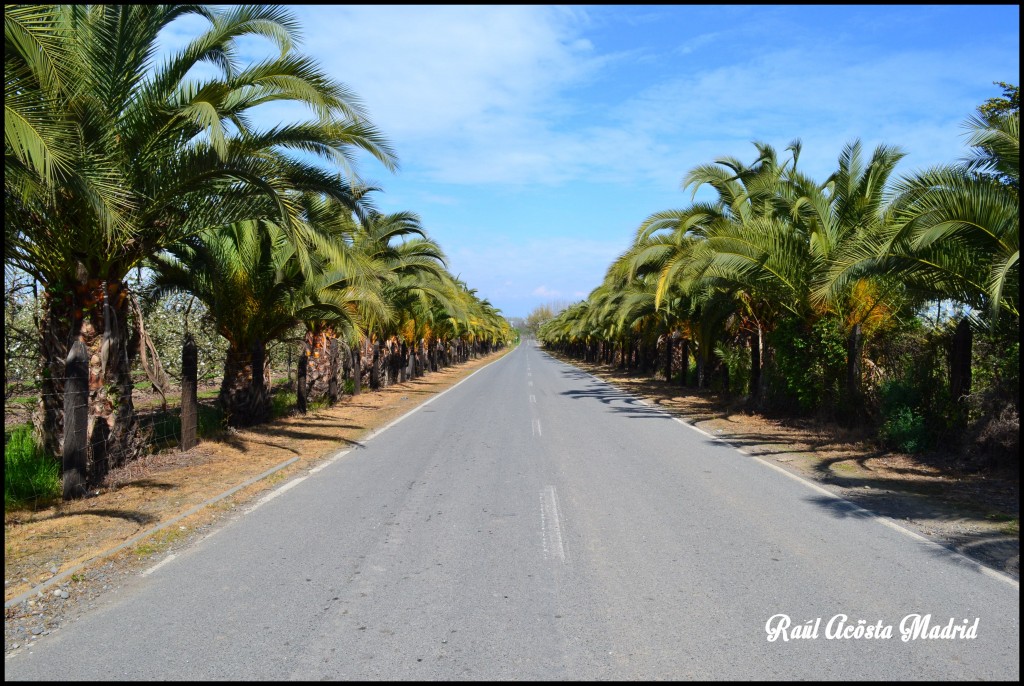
433,70
815,95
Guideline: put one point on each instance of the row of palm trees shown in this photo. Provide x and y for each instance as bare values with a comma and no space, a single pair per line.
383,285
777,250
118,157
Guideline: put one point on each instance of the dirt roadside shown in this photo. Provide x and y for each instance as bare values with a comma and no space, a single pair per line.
938,496
45,545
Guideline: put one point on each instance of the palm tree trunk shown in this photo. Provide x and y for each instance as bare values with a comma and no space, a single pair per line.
345,361
395,362
244,392
853,348
375,366
684,361
322,365
302,379
668,358
357,370
334,352
702,376
960,361
94,312
58,326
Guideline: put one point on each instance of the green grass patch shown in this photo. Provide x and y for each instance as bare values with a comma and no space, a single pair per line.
31,477
159,541
282,402
209,421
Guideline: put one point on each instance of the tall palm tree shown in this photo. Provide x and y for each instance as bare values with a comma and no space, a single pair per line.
117,157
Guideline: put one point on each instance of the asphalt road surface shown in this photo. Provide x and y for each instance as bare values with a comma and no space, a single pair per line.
535,523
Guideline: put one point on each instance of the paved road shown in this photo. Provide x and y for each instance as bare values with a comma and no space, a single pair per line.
535,523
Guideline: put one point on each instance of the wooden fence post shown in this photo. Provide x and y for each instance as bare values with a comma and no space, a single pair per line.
189,393
300,380
357,370
76,417
332,378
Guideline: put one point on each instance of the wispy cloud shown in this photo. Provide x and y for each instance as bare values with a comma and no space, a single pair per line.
545,292
477,95
436,70
489,94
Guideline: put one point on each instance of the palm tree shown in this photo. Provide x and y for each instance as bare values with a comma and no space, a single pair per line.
116,157
249,277
393,252
958,232
331,334
781,235
742,246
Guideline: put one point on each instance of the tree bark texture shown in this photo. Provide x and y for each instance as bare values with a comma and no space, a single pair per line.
684,360
668,358
301,376
960,361
322,365
853,347
755,367
244,392
76,416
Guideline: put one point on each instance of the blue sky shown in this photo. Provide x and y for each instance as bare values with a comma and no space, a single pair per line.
533,140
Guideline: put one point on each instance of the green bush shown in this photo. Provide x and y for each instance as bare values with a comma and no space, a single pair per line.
905,430
737,360
904,426
808,368
31,477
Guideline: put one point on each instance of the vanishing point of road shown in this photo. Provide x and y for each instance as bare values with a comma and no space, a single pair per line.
535,523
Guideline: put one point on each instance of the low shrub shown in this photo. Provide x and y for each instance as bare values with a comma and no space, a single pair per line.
904,426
